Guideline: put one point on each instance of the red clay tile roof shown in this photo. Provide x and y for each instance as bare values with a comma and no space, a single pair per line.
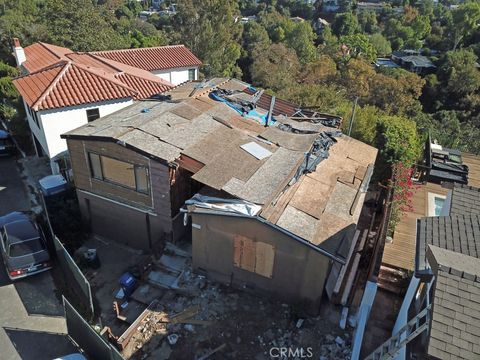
59,77
79,78
68,84
41,55
153,58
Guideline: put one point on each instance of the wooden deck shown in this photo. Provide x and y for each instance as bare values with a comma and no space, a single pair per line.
401,252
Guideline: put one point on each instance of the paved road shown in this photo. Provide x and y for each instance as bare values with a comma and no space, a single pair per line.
13,194
27,328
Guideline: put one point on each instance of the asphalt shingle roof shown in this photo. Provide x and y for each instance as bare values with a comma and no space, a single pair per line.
458,233
465,200
455,324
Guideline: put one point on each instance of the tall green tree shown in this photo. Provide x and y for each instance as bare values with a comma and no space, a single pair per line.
397,140
276,68
345,24
212,30
359,45
301,37
381,45
466,19
459,73
80,25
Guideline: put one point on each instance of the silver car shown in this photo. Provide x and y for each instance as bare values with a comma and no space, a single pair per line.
23,246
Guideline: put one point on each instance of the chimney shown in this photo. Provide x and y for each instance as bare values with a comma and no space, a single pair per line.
18,52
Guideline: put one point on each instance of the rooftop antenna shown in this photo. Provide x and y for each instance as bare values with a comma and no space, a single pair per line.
353,116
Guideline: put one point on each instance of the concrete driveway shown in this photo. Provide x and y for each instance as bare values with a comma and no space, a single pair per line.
31,326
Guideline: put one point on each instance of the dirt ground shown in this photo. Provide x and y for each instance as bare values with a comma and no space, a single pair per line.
236,323
243,325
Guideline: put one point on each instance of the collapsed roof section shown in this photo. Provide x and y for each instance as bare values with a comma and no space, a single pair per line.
293,163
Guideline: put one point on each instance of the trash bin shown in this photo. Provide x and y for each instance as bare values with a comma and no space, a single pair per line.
91,258
128,284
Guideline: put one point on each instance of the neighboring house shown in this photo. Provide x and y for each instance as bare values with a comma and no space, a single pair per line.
330,6
439,242
63,90
378,7
174,63
443,299
386,62
414,62
271,202
434,177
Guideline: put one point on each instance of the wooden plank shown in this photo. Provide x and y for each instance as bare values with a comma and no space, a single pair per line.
248,255
265,256
343,271
189,163
237,251
246,259
351,277
186,314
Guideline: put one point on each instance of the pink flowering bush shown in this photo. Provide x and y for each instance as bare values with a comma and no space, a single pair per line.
403,192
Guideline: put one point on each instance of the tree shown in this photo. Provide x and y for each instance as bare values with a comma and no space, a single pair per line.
321,70
466,19
7,90
368,22
355,76
459,73
382,46
345,24
365,122
80,25
398,142
301,38
209,29
20,19
276,68
328,98
359,45
421,26
396,91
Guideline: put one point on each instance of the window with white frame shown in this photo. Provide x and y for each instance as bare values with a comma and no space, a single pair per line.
435,204
191,74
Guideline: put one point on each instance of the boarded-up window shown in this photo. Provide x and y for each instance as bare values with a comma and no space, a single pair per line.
254,256
95,166
141,179
119,172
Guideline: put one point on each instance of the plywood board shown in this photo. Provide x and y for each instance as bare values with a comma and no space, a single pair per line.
244,253
186,111
311,197
264,259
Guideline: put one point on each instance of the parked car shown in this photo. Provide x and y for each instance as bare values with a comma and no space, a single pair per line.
23,246
6,143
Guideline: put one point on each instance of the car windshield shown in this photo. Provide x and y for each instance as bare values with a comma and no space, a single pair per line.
25,247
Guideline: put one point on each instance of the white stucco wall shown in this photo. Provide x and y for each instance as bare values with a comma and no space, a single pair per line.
56,122
176,76
36,130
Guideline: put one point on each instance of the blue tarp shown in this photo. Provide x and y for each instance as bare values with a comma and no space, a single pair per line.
252,114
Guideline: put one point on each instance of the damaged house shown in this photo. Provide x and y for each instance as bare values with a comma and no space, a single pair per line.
271,193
